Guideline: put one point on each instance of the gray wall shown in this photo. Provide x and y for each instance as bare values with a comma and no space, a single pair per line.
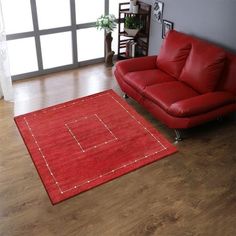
213,20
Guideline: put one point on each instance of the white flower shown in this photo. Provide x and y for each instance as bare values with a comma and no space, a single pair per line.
105,21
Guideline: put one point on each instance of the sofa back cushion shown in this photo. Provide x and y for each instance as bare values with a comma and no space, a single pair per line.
173,53
203,67
228,80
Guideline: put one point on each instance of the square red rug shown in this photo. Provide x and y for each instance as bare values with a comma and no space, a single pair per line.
83,143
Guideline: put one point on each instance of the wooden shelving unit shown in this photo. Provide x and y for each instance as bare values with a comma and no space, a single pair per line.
141,40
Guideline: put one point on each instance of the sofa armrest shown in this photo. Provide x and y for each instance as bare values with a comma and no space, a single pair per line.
201,104
136,64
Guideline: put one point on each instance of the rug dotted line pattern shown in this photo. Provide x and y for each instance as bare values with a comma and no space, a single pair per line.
100,176
95,146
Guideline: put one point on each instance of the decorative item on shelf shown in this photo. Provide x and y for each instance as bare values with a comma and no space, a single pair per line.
132,4
158,11
135,9
131,47
131,32
132,25
107,23
166,26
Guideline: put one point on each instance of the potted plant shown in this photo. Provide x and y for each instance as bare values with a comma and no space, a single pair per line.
107,23
132,25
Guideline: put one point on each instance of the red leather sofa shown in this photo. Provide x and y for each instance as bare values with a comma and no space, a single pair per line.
190,82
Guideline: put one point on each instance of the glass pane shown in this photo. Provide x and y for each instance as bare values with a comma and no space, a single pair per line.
56,49
114,6
53,13
90,44
115,40
22,56
17,16
88,11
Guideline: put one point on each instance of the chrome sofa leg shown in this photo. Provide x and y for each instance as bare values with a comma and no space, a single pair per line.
177,135
125,96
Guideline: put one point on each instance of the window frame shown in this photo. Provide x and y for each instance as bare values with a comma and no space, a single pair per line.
36,33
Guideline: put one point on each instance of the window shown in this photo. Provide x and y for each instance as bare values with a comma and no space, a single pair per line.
22,56
53,13
17,16
87,11
56,49
90,44
114,6
46,36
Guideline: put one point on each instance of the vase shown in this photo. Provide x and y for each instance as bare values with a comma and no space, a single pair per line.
108,51
131,5
135,9
131,32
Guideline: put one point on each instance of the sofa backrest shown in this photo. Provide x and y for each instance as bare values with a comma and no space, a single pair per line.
204,66
228,79
173,53
200,64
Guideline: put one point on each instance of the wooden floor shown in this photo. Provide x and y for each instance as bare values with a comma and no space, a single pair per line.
192,192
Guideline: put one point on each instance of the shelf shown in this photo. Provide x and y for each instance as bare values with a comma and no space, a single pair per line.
122,56
140,12
137,45
140,35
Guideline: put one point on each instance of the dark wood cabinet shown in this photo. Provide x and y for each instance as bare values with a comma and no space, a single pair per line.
133,46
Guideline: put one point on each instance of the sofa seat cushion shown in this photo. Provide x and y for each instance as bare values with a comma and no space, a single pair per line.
165,94
203,67
200,104
173,53
141,79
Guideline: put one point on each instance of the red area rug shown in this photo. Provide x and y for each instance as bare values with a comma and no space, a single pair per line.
86,142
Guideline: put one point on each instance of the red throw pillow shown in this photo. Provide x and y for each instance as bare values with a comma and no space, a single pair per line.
203,67
173,53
